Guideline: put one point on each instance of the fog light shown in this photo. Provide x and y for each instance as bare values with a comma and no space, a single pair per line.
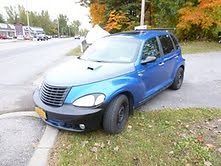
82,126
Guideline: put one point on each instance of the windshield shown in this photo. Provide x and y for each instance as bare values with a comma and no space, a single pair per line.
122,50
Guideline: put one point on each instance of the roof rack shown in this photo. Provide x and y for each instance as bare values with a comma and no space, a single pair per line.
157,29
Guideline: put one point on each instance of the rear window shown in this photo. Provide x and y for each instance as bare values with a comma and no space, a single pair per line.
167,44
175,42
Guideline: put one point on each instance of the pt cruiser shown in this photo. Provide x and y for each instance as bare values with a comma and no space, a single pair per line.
114,76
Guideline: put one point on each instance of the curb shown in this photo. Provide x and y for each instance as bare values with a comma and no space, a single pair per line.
41,153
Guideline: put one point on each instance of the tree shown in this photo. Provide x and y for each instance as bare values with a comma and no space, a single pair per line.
2,20
63,20
83,32
12,14
75,28
19,15
97,13
200,21
117,21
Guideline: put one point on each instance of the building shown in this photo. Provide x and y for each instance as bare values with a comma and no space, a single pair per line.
7,31
19,31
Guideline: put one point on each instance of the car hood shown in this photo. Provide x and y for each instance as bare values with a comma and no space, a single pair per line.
78,72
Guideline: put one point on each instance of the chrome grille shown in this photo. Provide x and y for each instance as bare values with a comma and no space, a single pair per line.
53,95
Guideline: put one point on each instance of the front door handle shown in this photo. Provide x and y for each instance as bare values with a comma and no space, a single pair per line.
161,64
140,73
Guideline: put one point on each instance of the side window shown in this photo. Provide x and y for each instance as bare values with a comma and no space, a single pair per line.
175,41
166,43
151,48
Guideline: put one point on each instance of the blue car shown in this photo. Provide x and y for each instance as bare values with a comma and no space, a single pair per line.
114,76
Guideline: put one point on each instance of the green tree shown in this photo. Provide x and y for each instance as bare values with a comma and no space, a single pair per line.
83,32
2,20
63,26
75,28
12,14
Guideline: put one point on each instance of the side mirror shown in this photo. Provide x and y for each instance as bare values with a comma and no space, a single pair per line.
148,60
84,45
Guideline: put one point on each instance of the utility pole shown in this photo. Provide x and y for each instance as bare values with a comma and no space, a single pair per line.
58,29
142,13
28,22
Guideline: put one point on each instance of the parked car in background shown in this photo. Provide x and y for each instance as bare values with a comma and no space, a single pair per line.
115,75
77,37
3,36
48,37
41,37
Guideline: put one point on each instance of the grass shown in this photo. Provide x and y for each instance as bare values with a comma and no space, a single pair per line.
75,52
168,137
200,47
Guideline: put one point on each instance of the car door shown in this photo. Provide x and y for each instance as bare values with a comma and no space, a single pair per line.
169,57
151,73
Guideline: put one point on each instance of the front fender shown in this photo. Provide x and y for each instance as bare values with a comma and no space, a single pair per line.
111,88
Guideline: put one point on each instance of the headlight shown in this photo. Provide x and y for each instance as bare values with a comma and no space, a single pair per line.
89,100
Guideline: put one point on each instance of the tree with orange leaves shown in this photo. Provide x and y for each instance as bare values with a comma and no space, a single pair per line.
97,13
117,21
201,21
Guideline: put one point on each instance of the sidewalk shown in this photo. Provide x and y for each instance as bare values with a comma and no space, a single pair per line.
2,41
19,136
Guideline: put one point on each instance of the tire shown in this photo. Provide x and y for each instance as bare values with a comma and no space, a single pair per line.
116,116
178,81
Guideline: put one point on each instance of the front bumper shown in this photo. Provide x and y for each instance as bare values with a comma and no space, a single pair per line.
69,117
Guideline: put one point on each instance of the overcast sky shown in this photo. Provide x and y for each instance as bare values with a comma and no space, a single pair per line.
54,7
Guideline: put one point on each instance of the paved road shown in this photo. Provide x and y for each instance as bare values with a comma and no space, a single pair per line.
23,62
201,87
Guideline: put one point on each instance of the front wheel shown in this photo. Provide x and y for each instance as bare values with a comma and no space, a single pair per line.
116,115
178,81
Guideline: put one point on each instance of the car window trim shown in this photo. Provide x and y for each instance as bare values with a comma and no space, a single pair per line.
172,36
157,44
174,49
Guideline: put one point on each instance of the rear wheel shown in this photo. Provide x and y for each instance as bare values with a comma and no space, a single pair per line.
116,115
178,81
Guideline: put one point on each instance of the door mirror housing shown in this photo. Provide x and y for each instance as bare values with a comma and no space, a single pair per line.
148,59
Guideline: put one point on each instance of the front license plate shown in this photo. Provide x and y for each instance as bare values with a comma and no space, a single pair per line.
40,112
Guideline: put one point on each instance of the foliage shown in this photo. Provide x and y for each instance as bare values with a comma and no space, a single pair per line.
193,18
63,24
117,21
2,20
201,21
97,12
18,15
12,14
83,32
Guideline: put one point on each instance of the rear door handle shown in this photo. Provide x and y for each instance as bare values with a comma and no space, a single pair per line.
161,64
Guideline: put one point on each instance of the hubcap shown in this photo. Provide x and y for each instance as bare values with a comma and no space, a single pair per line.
121,115
180,78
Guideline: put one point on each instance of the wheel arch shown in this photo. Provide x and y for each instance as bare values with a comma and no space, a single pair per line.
182,66
130,97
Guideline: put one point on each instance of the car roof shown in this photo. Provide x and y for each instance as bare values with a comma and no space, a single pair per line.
140,34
